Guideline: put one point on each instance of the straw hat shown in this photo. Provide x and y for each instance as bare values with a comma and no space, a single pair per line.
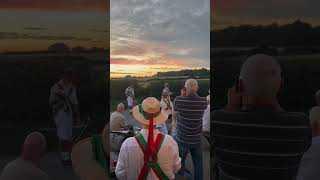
82,158
150,106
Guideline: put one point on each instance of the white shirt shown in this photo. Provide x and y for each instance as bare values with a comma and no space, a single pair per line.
206,120
310,162
20,169
131,160
117,121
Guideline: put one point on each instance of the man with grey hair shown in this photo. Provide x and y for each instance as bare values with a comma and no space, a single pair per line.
252,134
26,166
117,119
309,166
189,111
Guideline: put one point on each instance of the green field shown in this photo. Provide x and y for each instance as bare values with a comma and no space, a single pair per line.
150,88
301,75
25,87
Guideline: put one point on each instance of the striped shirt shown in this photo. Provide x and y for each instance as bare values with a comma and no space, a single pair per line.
259,144
189,119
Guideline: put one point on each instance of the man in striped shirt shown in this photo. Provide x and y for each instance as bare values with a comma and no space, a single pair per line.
189,110
258,140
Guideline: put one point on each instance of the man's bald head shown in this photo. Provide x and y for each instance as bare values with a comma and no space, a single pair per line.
191,86
261,75
120,107
34,146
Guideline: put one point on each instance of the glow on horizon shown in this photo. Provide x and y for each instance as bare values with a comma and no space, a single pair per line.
120,71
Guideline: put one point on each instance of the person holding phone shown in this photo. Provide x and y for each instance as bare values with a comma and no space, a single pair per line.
251,135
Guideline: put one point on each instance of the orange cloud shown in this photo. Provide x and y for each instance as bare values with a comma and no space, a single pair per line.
58,5
122,61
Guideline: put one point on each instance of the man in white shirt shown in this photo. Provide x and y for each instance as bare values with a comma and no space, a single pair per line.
130,95
117,119
64,104
25,167
206,121
310,162
135,151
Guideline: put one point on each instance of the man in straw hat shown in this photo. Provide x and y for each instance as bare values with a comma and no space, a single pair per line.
149,149
90,157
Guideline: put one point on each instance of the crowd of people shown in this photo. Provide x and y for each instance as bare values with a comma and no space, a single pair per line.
255,138
170,130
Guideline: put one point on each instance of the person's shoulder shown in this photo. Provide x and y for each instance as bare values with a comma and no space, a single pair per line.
169,140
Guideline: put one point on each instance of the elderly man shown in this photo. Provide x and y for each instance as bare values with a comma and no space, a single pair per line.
150,154
254,138
25,167
117,119
188,131
309,166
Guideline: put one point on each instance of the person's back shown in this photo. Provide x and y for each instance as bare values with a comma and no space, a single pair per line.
190,111
259,144
131,154
22,170
309,165
117,121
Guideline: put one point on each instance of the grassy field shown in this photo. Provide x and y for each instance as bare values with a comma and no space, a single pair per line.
25,87
301,75
150,88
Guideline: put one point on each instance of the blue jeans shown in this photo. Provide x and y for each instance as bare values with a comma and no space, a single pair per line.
196,153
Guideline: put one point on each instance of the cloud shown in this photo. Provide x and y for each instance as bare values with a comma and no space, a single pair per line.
13,35
162,29
36,28
99,31
123,61
56,5
264,12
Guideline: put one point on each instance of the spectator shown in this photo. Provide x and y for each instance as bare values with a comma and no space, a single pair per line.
206,121
258,139
136,151
309,166
130,95
190,109
117,119
25,167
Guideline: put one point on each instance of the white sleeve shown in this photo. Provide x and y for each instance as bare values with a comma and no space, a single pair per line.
175,156
122,164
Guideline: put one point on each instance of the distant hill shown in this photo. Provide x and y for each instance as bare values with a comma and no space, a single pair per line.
298,33
189,72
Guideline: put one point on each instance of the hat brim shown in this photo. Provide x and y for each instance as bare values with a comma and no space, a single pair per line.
84,165
161,118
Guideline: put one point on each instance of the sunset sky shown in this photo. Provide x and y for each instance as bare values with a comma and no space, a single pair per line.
235,12
30,25
150,36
